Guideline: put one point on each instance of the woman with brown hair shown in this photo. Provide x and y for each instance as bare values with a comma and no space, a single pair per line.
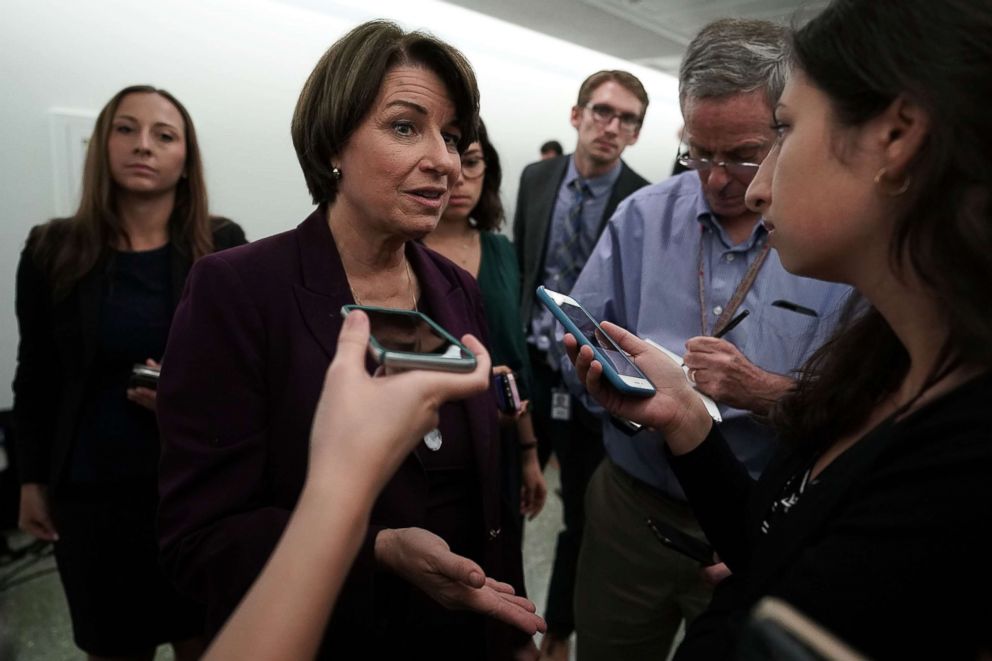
468,236
95,295
378,130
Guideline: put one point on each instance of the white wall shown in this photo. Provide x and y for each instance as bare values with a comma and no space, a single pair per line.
238,66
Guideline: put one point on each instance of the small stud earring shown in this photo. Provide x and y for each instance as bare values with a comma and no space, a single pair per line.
336,173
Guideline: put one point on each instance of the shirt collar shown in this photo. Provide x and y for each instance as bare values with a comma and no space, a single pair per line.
598,186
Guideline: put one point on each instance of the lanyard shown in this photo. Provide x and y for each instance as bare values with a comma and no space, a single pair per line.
743,287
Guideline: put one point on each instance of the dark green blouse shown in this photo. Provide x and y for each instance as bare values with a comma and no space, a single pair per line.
499,280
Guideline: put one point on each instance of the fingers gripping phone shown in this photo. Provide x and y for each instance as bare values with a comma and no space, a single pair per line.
618,369
408,339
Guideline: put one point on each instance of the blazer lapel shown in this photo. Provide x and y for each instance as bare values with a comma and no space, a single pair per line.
544,204
324,287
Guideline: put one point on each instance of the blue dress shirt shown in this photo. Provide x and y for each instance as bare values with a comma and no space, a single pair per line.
643,275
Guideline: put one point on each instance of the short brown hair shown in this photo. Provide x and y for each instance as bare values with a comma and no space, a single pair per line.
624,79
343,86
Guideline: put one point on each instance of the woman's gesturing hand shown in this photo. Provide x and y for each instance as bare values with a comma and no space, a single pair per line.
424,559
674,409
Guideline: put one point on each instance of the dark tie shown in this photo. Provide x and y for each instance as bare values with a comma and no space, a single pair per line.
575,246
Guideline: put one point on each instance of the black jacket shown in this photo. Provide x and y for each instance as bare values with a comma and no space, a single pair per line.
58,341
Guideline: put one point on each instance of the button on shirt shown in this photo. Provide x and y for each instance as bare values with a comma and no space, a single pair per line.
643,275
599,189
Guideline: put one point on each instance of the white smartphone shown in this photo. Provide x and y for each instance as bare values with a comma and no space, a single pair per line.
618,369
409,339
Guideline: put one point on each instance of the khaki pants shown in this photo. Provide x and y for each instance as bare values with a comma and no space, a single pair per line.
632,592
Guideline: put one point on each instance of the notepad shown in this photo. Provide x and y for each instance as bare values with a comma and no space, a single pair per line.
710,405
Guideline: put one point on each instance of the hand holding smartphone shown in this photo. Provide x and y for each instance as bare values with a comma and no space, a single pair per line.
143,376
409,339
618,369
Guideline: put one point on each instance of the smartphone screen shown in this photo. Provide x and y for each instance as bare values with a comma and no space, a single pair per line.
408,339
587,326
408,333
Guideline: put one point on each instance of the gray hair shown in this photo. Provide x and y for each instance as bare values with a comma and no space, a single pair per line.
734,56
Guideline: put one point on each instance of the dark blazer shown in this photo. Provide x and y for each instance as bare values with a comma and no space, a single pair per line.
888,549
539,186
246,359
58,342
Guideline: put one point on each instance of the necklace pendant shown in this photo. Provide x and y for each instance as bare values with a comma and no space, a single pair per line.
433,440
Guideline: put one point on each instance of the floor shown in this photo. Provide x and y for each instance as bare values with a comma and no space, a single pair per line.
34,620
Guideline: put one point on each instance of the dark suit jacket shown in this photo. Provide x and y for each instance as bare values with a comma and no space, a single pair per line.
56,352
539,186
888,548
249,347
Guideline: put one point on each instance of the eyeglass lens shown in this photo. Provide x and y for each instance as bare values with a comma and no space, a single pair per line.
605,114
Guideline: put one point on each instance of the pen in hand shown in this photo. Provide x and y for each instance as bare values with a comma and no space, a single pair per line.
732,324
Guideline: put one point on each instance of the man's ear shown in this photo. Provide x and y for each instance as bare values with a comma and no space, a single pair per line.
576,118
901,131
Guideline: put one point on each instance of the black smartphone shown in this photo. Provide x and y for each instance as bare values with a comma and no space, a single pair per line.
684,543
408,339
143,376
507,394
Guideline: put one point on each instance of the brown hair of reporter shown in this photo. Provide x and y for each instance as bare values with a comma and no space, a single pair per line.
337,96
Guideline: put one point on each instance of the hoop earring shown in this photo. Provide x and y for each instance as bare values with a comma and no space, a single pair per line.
336,173
885,187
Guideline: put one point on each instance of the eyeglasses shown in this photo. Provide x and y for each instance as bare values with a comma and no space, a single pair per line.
604,114
473,167
736,169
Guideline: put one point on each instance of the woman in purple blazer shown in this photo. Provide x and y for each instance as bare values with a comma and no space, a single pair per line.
378,130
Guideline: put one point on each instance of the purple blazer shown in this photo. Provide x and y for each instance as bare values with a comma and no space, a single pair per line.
250,343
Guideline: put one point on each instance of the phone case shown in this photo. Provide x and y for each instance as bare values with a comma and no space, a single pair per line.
611,375
507,396
465,362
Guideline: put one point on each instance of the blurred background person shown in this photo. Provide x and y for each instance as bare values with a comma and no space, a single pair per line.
378,129
95,295
467,235
551,149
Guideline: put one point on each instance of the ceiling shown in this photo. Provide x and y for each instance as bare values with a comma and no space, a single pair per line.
653,33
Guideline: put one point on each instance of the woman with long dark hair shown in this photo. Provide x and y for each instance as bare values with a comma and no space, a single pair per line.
874,518
467,234
95,296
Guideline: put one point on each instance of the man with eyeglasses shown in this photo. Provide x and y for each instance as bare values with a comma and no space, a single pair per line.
679,262
562,207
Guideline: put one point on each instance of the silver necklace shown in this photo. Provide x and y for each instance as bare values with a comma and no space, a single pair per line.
409,280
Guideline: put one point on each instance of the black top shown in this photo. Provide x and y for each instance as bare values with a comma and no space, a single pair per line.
118,439
888,550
